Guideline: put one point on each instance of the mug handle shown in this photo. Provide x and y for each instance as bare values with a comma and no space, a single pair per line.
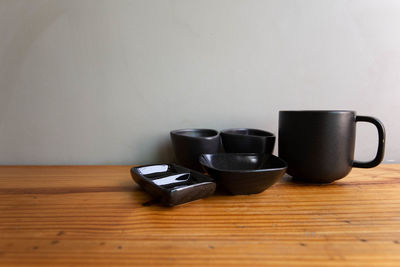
381,143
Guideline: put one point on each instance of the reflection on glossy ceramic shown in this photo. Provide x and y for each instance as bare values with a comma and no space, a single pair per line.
173,184
153,169
177,179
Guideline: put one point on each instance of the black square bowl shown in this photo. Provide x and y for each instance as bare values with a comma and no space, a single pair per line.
244,173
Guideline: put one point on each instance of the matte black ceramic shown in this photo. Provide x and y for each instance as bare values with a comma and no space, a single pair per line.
318,146
173,184
244,140
189,144
244,173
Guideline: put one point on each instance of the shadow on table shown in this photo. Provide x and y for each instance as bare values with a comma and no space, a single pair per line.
290,180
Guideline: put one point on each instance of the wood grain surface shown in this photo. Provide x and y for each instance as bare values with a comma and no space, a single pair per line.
96,215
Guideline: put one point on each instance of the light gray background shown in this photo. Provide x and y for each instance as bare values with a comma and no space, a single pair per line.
103,82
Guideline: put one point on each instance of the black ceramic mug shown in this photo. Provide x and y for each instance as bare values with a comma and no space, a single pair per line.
319,145
189,144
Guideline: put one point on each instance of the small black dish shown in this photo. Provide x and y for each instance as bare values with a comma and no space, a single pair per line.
173,184
189,144
244,173
245,140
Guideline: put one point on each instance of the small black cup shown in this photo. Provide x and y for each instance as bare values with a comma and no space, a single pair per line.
318,146
245,140
189,144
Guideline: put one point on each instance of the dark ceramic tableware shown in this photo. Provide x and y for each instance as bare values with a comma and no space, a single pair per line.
319,145
244,173
244,140
173,184
189,144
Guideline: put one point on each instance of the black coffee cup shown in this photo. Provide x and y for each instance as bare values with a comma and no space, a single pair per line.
189,144
319,145
245,140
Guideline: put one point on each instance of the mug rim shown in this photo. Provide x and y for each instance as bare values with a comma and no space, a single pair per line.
318,111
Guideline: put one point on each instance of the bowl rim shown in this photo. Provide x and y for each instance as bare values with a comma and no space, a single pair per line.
233,132
206,163
179,132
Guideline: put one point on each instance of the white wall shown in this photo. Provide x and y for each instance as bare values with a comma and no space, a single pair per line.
103,82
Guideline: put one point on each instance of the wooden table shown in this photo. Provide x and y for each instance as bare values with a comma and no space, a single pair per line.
94,215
